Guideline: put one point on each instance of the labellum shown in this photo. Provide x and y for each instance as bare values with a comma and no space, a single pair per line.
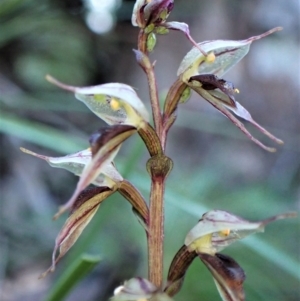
227,274
220,94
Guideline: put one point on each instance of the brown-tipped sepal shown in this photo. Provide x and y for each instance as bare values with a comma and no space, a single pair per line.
82,211
111,135
180,263
227,274
151,140
135,198
178,93
104,146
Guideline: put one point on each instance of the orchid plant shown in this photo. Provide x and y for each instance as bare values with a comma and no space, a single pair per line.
201,70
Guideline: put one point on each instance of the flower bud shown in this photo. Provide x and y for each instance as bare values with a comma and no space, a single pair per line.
154,12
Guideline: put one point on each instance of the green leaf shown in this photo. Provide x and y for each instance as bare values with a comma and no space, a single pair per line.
74,273
38,133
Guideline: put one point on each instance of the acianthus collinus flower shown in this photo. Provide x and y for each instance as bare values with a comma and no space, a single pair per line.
218,229
215,231
120,107
202,76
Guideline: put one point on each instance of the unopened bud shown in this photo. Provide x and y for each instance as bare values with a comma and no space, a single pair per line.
154,12
151,41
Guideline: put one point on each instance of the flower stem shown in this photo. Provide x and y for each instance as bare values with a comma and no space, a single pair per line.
158,167
156,232
157,116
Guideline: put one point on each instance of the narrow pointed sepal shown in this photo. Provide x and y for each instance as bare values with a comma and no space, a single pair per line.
179,92
135,198
82,211
218,229
151,140
104,146
183,27
227,274
180,263
75,163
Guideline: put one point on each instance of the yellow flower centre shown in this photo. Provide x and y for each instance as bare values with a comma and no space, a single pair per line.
114,104
202,245
210,58
225,232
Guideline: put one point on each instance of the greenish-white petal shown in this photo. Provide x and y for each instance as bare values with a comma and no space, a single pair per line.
75,163
115,103
227,53
218,229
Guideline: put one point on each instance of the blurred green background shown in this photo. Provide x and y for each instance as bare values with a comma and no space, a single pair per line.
216,167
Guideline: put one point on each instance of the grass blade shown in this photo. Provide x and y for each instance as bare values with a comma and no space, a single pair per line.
73,274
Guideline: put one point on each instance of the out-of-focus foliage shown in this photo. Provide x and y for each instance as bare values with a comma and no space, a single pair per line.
215,167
